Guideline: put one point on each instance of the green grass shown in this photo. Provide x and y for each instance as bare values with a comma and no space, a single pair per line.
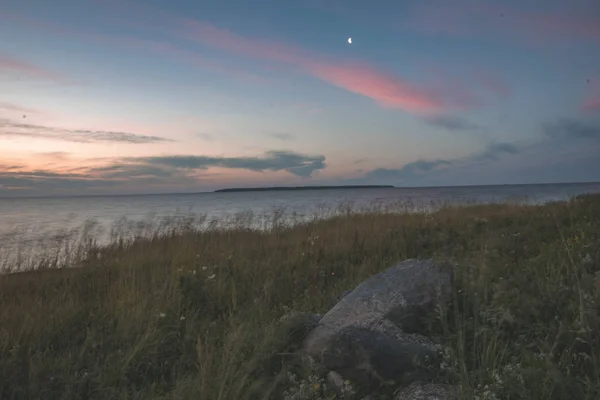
192,314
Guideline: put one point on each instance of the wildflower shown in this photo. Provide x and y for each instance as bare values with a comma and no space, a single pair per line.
162,315
204,268
212,276
182,318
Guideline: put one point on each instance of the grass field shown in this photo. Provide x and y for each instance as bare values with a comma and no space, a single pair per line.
194,315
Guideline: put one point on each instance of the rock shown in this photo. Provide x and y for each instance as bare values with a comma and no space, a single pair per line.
401,294
427,391
336,383
369,336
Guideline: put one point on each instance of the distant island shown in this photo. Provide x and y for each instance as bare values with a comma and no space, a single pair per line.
279,188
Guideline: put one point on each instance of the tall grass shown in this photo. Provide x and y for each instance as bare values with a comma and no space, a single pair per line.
192,308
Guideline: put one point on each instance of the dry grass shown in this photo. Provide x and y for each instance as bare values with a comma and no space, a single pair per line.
192,314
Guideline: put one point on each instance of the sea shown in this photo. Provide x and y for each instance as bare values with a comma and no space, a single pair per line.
28,223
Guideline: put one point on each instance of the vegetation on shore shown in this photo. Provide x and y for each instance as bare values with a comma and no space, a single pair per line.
190,314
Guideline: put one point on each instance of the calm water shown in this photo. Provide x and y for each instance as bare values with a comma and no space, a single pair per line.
29,220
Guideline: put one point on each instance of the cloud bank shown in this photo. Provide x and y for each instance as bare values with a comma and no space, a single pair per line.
13,129
175,170
566,128
274,160
413,171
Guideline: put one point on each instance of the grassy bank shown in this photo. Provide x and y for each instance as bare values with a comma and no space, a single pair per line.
194,314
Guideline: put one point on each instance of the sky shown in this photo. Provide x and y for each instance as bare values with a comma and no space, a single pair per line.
148,96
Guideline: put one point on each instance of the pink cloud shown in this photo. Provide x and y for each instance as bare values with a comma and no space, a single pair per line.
467,17
477,87
361,78
385,89
592,102
24,69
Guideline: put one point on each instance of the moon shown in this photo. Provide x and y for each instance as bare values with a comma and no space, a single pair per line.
350,40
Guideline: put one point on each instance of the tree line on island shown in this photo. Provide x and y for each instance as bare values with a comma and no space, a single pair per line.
277,188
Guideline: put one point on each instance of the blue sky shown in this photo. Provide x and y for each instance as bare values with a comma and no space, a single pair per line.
106,96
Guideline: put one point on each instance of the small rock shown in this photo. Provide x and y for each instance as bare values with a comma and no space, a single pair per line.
427,391
336,383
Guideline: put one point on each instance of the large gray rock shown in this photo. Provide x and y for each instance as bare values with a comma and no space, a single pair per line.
427,391
369,336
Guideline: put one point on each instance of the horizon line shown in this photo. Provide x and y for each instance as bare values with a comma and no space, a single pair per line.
220,191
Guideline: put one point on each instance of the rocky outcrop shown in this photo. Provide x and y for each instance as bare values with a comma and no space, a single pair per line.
372,335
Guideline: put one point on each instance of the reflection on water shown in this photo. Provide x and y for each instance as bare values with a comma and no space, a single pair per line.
34,228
